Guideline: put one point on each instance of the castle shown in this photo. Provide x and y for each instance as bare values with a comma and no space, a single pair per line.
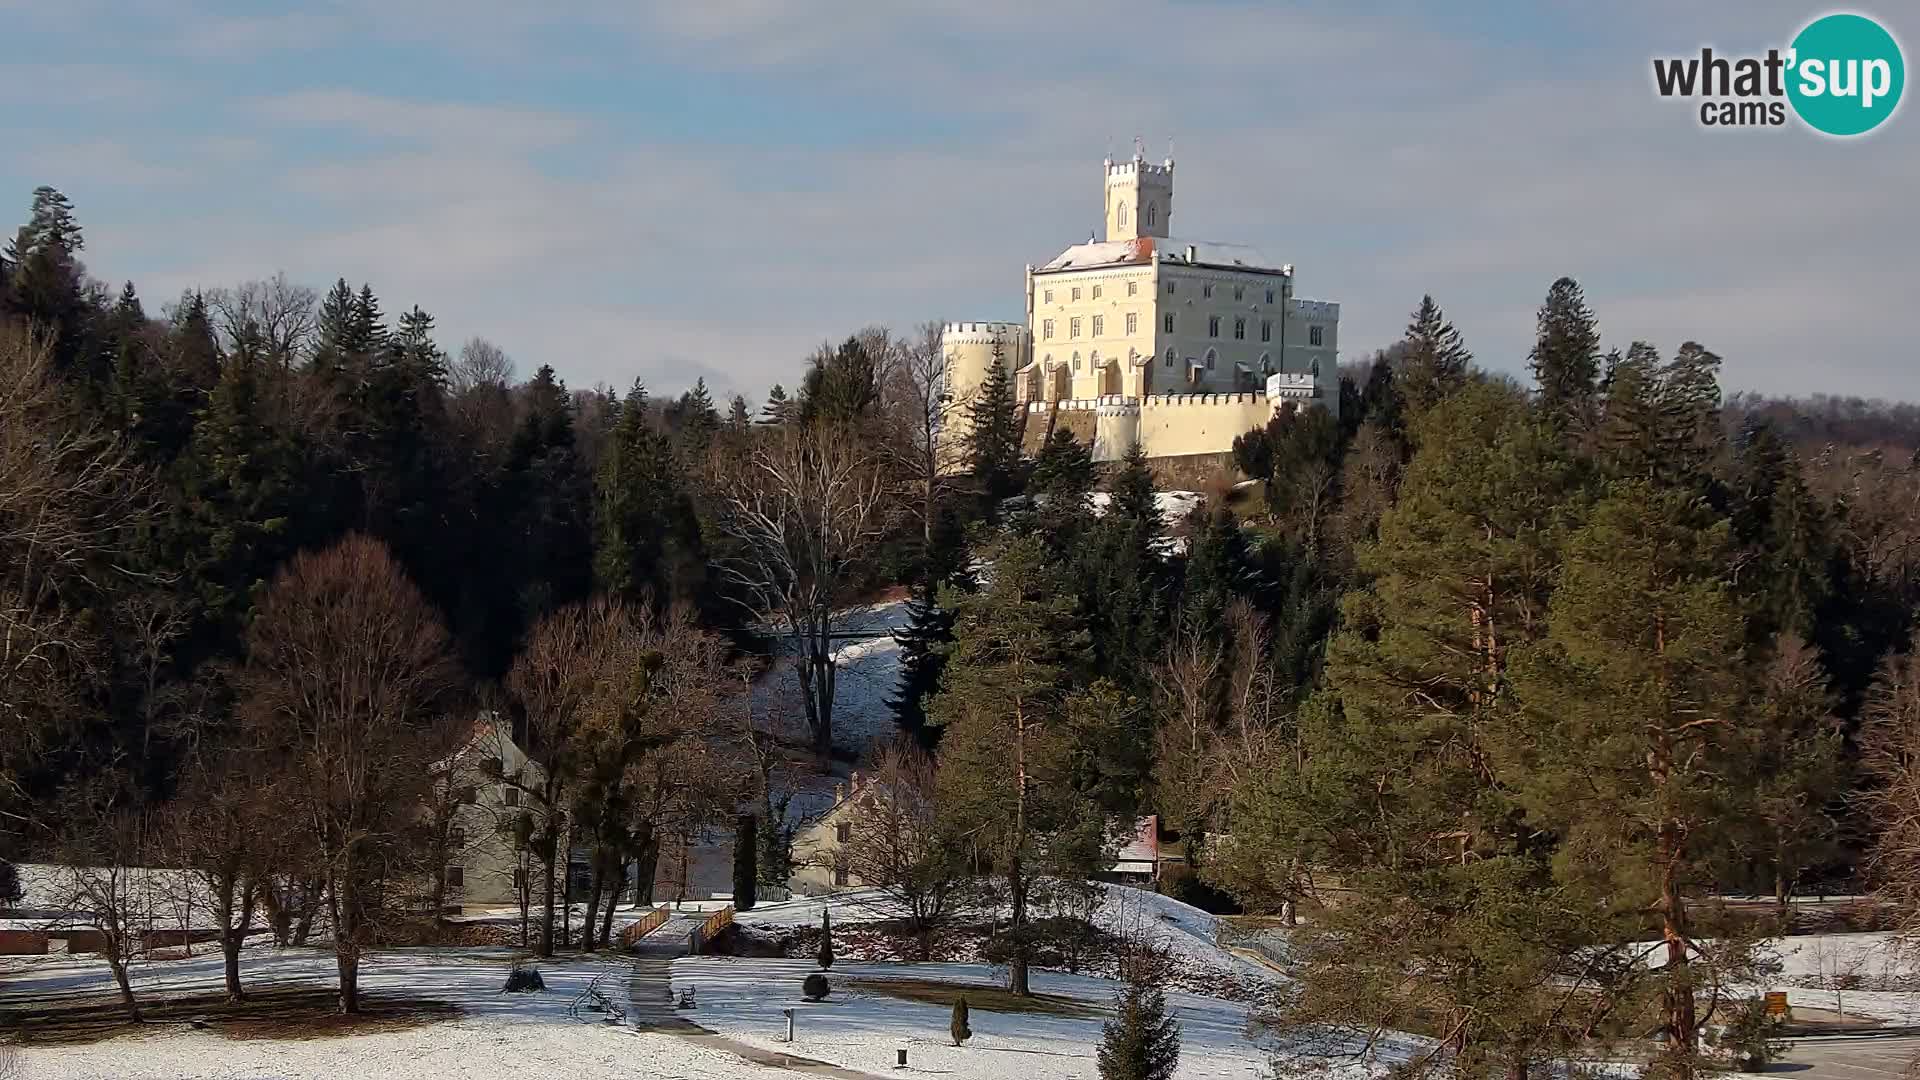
1180,344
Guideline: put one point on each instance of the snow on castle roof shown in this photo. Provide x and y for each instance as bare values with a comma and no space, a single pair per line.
1118,252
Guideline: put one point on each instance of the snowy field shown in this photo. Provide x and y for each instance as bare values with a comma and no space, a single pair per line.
493,1034
861,1027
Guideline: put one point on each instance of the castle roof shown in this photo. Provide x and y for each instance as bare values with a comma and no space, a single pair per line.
1195,252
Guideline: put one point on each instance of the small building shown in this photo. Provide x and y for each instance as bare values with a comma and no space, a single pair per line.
489,816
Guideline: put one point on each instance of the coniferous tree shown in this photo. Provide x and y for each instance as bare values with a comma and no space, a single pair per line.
1632,735
746,846
1006,752
957,1027
1566,357
923,643
647,536
1134,497
993,433
739,419
1434,362
1063,471
1141,1042
778,408
825,956
1795,763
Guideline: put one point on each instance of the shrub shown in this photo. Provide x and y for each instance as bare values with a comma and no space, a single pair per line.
815,987
746,845
826,939
959,1029
523,979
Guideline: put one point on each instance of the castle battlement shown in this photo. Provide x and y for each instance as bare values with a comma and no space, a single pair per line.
1140,166
995,329
1121,405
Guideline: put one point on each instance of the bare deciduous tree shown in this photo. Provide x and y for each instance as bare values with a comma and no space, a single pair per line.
805,511
212,831
99,880
896,847
67,498
350,684
1890,755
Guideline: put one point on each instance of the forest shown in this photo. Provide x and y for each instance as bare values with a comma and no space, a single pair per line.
1499,687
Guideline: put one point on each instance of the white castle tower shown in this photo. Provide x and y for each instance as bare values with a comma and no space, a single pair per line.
1139,197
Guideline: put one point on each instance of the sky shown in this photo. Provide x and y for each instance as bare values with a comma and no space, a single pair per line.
626,189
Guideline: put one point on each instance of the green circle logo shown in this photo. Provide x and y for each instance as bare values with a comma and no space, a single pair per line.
1846,74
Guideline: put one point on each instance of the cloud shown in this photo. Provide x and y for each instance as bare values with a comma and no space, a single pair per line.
609,186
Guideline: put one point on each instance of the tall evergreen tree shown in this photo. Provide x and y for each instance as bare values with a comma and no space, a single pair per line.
778,409
1566,357
1434,361
993,433
1006,756
1141,1042
1633,732
647,539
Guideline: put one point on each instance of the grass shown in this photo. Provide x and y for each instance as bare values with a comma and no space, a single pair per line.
287,1012
990,998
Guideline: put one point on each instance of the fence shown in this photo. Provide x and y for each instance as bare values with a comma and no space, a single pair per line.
634,931
708,929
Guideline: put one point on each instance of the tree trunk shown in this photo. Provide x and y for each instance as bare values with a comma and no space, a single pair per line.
546,903
606,917
646,868
1016,883
588,924
310,893
115,948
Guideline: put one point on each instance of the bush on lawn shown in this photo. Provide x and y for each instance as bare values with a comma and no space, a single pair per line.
524,979
815,987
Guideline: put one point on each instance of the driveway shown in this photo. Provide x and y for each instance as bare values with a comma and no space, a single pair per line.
1850,1057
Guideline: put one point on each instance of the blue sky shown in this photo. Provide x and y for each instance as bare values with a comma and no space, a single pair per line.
622,188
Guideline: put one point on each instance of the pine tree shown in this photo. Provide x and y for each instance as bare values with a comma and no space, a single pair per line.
842,385
993,434
922,643
1632,732
739,419
1141,1042
778,409
1795,762
825,956
1391,764
1434,362
47,286
957,1027
1006,754
647,536
1134,497
1566,357
1063,471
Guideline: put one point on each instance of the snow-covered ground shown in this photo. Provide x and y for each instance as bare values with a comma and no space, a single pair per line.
869,673
494,1035
862,1028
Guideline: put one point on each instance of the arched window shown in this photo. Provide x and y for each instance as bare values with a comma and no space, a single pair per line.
1120,215
1093,361
1211,357
1153,215
1170,357
1266,364
1076,361
1316,369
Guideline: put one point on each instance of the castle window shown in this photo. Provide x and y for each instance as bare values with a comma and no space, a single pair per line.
1239,329
1096,296
1132,287
1046,330
456,877
1266,364
1099,325
1206,291
1169,288
1315,336
1047,296
1073,328
1153,214
1169,322
1266,329
1076,361
1120,216
1211,356
1133,322
1213,326
1169,360
1316,370
1076,292
1269,296
1239,292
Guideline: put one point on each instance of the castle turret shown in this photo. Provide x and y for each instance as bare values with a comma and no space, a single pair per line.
971,349
1139,197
